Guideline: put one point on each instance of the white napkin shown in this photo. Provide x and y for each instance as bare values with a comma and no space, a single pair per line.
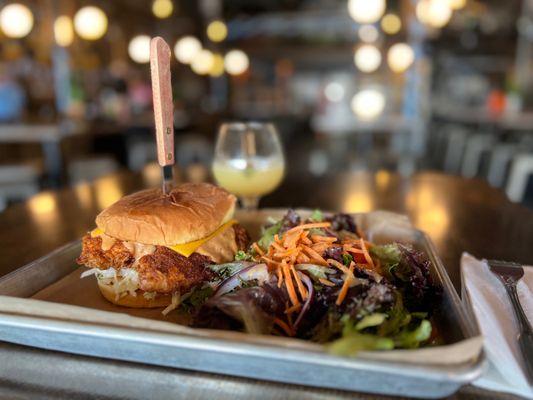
486,296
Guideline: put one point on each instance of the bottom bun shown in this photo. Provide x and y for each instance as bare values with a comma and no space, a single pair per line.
138,301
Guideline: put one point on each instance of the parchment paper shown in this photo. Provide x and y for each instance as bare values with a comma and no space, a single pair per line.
75,299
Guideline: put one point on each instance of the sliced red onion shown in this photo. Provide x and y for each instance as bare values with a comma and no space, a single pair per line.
310,293
257,272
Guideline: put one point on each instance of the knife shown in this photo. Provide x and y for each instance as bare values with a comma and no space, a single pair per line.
163,108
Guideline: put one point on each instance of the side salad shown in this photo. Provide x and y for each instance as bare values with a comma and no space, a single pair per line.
319,279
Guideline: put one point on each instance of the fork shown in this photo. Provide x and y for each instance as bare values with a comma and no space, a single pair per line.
509,274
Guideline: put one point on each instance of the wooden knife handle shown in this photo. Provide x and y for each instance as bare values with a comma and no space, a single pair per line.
162,96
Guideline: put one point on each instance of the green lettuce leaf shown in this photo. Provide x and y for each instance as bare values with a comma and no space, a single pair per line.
243,256
371,320
317,216
398,317
350,345
268,235
410,339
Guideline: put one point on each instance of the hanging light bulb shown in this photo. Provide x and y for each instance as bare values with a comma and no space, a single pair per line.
400,57
217,67
457,4
236,62
16,20
63,31
366,11
334,92
391,24
368,104
90,23
434,13
203,62
162,8
368,33
217,31
367,58
186,49
139,49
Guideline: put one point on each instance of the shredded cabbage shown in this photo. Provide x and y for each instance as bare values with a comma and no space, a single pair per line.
89,272
174,303
149,295
124,281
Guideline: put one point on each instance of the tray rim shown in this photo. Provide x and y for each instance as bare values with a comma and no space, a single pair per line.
458,373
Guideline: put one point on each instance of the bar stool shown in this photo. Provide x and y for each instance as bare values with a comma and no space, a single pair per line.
521,170
499,161
91,168
476,146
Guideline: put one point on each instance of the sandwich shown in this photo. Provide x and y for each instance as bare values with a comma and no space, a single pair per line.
149,249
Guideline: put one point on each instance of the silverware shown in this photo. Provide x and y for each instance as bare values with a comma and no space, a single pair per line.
509,274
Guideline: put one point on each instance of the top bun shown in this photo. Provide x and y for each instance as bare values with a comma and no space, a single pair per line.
190,212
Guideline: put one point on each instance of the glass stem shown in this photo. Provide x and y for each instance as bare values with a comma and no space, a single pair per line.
250,203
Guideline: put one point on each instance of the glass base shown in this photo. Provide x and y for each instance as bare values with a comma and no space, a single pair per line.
249,203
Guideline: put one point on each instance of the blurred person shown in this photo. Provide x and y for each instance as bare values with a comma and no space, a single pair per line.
12,97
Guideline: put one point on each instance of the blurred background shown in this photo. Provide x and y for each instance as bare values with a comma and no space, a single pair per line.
352,85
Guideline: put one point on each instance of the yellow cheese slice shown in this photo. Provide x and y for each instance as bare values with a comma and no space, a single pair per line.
96,232
185,249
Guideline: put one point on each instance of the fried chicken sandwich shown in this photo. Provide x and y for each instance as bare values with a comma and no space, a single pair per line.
149,249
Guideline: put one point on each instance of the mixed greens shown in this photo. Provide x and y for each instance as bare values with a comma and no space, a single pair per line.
320,280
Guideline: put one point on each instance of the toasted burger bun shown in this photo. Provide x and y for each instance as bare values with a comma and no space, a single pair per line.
189,212
139,301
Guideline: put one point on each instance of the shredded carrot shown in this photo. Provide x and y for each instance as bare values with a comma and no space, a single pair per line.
326,282
319,238
302,259
258,249
280,277
365,253
286,253
309,226
306,241
290,239
276,238
339,265
270,262
314,255
353,250
293,309
288,283
345,286
283,325
320,247
277,246
299,284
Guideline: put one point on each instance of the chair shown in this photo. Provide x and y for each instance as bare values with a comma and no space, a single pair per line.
455,148
521,170
17,182
476,146
141,152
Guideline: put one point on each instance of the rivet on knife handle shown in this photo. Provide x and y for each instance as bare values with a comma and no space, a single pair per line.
162,97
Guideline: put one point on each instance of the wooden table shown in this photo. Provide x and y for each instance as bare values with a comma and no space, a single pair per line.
459,215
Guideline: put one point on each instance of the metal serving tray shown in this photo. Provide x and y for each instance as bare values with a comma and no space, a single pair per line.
235,353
